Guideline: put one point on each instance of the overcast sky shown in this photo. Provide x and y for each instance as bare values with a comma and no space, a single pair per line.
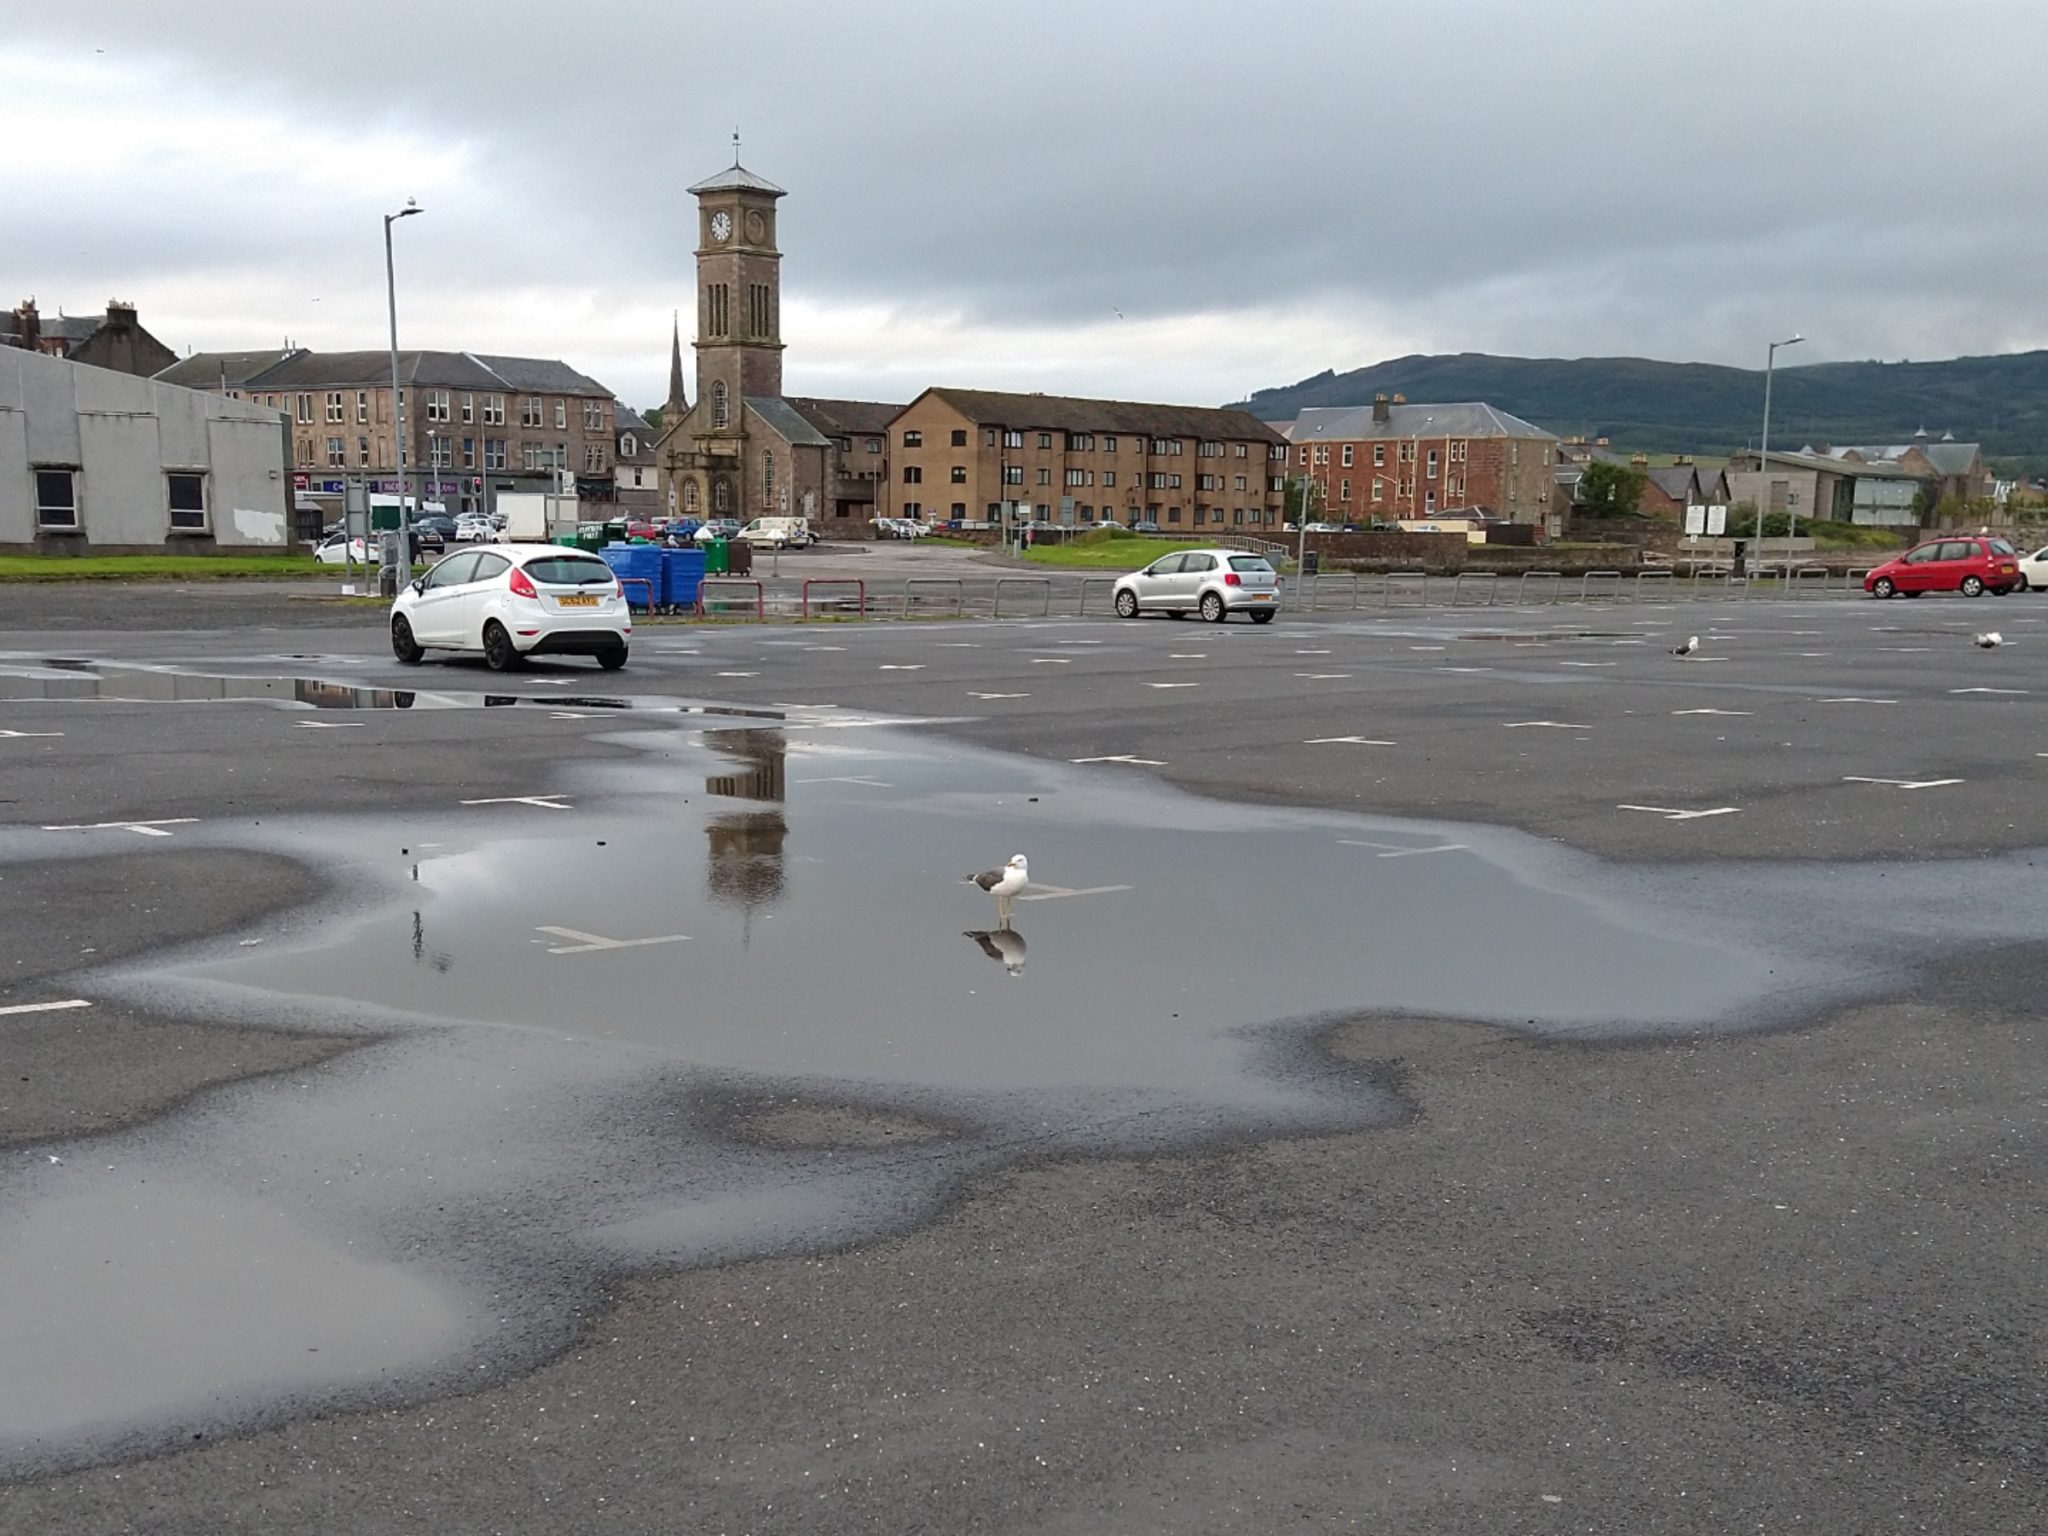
1178,200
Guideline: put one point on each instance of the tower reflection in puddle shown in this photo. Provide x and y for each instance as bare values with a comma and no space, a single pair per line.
746,847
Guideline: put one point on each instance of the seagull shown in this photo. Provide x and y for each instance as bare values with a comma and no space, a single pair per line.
1003,884
1692,644
1005,945
1989,640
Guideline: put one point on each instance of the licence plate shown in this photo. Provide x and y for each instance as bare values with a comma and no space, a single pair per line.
577,602
1262,597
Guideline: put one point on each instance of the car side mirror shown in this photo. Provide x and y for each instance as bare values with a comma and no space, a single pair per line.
420,585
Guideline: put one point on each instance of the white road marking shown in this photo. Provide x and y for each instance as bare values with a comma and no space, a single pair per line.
1187,655
26,735
1852,699
1322,677
1173,685
540,802
739,674
1121,757
891,666
1396,851
325,725
1987,690
1854,778
850,779
973,695
1061,892
1428,647
824,647
73,1002
1311,653
1906,650
1670,813
590,943
1813,655
1057,661
1589,663
145,828
959,645
1464,669
1549,725
570,714
1350,741
1713,712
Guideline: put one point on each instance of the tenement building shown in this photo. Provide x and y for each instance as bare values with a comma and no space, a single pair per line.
1392,461
969,453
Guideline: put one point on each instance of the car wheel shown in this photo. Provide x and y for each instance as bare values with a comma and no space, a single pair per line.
1882,587
500,654
1973,586
403,646
1262,616
1212,607
612,659
1127,604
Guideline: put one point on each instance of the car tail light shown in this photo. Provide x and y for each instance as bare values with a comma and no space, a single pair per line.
522,584
1232,579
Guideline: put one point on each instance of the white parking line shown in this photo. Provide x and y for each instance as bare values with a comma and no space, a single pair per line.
1061,892
973,695
1712,712
1173,685
1057,661
71,1002
1322,677
1589,663
1349,741
1987,690
27,735
590,943
738,674
848,778
1852,699
1121,757
890,666
145,828
539,802
325,725
1396,850
1670,813
1547,725
1187,655
1854,778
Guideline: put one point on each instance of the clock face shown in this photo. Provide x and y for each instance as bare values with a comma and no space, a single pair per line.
721,225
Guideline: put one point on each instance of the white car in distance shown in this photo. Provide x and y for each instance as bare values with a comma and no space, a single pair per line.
2034,571
1212,582
512,601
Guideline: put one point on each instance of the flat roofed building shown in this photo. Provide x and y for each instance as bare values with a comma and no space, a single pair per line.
1391,461
970,453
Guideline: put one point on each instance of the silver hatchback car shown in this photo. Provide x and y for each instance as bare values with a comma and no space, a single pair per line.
1212,582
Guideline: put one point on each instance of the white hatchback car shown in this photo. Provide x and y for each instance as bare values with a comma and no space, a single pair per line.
512,601
1212,582
2034,571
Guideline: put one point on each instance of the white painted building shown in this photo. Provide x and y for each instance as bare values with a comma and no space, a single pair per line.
92,460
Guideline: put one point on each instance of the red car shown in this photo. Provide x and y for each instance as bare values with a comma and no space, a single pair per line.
1972,566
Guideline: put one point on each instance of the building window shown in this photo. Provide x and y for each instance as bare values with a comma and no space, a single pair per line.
494,410
1347,455
1343,490
1109,479
1013,474
959,474
1432,464
719,316
1044,441
721,407
305,408
362,407
1210,451
1276,482
593,415
690,497
1242,451
874,445
1379,489
721,498
959,437
1109,445
960,509
186,492
1240,483
1172,514
913,508
437,405
529,410
913,439
362,453
440,451
469,453
1304,456
1079,477
768,477
1155,480
593,458
337,453
1379,454
335,405
56,498
468,410
561,415
627,446
1429,501
912,475
1013,439
1080,442
494,453
1044,476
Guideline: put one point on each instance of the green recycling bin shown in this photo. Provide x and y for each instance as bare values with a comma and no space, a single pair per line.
590,536
716,558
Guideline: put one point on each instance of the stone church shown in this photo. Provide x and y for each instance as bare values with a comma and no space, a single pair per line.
744,450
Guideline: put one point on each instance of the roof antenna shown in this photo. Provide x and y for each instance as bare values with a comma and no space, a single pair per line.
735,146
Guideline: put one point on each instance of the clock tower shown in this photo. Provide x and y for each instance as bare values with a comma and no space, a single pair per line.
739,297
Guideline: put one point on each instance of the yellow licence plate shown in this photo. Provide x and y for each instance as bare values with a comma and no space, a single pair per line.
577,602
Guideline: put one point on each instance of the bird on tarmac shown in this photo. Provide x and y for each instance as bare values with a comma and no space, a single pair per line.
1005,945
1692,644
1990,640
1004,884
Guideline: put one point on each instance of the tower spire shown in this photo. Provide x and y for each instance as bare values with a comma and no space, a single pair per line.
735,146
678,404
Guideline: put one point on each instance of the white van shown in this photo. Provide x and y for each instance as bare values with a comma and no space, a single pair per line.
779,532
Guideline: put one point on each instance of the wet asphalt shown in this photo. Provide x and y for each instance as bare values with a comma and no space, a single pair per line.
1727,1277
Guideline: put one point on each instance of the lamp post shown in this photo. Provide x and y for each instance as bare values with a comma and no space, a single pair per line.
1763,458
397,400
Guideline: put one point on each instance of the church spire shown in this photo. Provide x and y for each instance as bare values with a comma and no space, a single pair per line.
678,404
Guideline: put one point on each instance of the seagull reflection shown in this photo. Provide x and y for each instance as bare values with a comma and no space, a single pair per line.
1002,944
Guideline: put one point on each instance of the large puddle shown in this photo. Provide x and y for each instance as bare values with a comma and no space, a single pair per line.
734,997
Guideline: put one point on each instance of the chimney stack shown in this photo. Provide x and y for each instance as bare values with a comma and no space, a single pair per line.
1400,399
120,317
1380,412
1639,461
28,326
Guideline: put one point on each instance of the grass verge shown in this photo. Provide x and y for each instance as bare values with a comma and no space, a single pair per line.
283,567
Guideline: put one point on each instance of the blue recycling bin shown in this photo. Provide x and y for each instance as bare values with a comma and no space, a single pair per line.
682,572
636,563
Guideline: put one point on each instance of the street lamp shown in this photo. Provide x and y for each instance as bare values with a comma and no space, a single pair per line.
397,400
1763,458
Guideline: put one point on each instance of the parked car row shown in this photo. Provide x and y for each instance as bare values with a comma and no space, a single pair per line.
900,528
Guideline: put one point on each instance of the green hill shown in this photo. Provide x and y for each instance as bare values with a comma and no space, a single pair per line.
2001,402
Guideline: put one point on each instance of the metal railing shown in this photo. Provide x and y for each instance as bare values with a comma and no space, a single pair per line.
705,594
1663,578
1395,583
1043,583
1088,584
1611,591
1549,583
860,593
916,584
1482,581
636,581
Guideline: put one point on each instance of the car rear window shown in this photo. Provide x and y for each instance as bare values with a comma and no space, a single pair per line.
2000,547
1250,563
568,570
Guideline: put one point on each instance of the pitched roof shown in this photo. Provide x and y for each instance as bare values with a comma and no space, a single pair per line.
437,370
1062,413
847,418
787,421
1462,418
1676,481
216,370
738,179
